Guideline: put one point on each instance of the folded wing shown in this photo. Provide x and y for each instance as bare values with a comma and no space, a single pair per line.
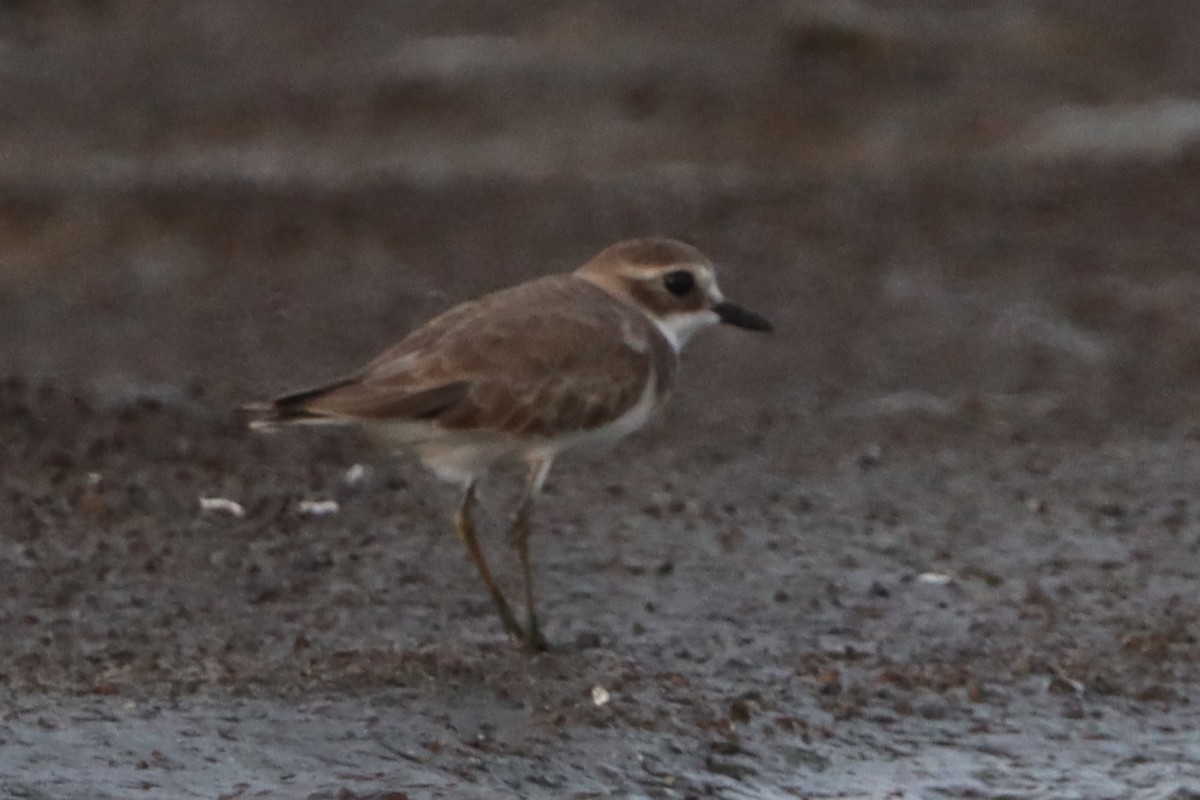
548,357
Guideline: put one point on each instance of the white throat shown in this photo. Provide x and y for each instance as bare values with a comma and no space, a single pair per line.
680,328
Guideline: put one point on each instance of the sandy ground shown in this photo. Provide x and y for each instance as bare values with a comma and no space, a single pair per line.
936,537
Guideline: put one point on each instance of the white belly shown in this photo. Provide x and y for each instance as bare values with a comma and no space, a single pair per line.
462,456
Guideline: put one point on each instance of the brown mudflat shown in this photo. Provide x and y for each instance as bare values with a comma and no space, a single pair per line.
938,536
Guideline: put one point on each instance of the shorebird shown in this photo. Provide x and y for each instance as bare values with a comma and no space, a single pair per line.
526,373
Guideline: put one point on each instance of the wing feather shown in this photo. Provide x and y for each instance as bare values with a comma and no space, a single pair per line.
547,357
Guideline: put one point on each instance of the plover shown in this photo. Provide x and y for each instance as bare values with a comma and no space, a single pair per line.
528,372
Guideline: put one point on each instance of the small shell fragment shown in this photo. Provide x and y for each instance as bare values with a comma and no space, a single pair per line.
355,475
221,505
600,695
935,578
317,508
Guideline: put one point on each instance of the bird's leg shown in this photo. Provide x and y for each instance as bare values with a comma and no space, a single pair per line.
466,531
519,531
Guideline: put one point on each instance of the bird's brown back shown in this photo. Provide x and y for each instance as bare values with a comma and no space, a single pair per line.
552,356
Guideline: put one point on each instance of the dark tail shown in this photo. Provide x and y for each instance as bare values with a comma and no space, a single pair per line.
351,399
290,408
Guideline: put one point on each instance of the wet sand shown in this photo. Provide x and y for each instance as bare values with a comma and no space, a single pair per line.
937,537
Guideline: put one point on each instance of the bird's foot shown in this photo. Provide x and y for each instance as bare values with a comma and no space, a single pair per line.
533,640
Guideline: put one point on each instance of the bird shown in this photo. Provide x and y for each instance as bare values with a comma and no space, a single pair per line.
526,373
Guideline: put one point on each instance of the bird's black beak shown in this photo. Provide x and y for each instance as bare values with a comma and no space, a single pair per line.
736,315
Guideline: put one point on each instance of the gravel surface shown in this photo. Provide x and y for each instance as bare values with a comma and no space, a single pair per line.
937,537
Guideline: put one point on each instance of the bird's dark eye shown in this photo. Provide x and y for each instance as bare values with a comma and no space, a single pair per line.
680,282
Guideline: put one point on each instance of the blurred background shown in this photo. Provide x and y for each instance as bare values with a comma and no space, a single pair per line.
982,207
939,529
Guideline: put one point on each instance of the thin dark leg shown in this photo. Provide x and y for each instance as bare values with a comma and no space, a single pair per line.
466,531
520,537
